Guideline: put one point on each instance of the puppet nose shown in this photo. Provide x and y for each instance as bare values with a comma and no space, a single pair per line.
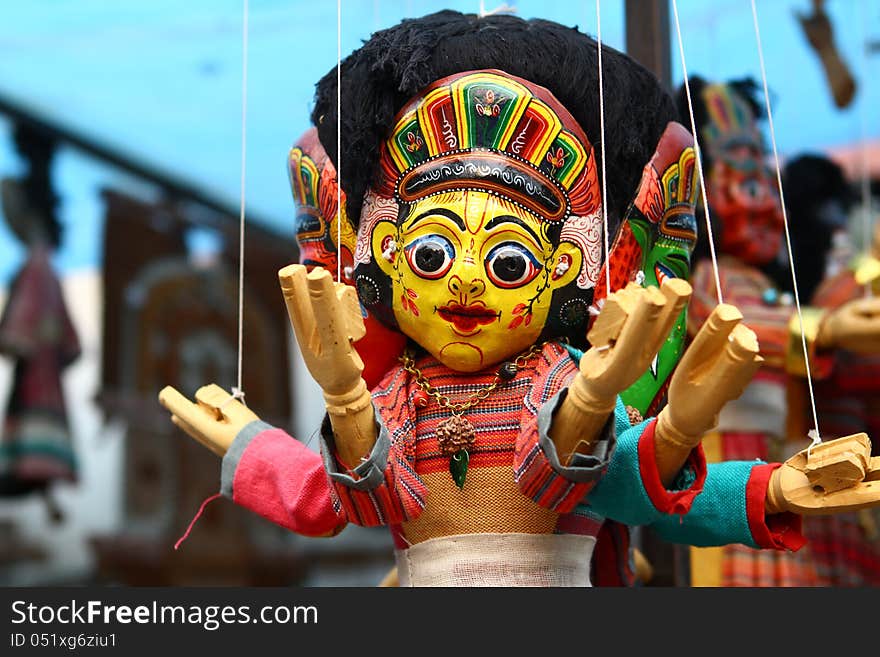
475,288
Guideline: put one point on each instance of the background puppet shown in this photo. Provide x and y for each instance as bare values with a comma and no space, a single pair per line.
37,333
479,448
845,547
745,208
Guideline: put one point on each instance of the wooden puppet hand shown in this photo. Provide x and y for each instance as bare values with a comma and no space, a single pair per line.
715,369
833,477
326,319
625,338
854,326
214,420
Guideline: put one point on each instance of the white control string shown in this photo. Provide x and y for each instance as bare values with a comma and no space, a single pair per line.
339,140
815,436
602,136
698,154
867,210
238,391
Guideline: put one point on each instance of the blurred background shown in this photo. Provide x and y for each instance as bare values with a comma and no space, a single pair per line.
122,123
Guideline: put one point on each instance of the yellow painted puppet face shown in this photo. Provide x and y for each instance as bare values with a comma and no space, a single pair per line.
472,276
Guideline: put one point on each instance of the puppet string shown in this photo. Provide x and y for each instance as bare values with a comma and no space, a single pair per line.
697,153
815,436
602,136
237,391
863,115
339,140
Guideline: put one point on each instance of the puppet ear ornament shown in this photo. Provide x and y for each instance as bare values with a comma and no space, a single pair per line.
389,248
562,266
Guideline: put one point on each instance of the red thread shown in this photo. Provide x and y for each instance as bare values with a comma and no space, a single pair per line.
195,519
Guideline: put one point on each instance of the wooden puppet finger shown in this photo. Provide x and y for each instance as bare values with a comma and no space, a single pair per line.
351,308
677,292
299,306
196,416
223,407
738,363
712,336
648,308
197,435
172,400
330,321
213,399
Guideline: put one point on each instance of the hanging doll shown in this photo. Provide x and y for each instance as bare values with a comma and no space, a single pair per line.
744,204
491,455
37,333
845,547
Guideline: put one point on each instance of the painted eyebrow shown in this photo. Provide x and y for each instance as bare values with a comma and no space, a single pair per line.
509,218
443,212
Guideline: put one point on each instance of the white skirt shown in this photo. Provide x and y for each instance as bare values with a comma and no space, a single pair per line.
498,560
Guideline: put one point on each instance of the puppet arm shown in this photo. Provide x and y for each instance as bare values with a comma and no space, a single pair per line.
626,336
326,319
714,504
264,469
715,369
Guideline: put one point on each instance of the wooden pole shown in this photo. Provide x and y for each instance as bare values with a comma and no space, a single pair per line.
647,37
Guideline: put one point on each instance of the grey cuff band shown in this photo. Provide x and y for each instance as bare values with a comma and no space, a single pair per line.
584,468
233,455
370,471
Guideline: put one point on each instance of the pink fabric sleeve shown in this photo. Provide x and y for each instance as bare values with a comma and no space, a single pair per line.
277,477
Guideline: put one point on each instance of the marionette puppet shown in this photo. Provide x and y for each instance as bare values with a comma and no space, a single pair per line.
37,333
845,547
491,455
745,208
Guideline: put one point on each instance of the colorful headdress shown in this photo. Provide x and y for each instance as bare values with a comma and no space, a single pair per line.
490,131
314,187
730,120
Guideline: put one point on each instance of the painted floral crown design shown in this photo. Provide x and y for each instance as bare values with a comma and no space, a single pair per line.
313,185
493,132
731,121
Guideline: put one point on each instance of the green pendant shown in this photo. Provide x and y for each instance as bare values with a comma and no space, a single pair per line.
458,465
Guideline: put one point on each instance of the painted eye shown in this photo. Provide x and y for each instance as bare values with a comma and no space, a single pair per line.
511,265
430,256
662,273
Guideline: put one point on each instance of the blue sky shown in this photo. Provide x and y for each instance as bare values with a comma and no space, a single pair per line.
161,80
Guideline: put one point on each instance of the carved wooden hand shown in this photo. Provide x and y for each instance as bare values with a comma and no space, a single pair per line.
715,369
854,326
326,319
833,477
631,328
214,420
628,333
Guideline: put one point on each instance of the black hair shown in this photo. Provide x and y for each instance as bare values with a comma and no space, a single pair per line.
395,64
817,199
36,185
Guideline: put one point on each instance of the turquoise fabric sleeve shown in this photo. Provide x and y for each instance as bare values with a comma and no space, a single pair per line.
620,495
718,515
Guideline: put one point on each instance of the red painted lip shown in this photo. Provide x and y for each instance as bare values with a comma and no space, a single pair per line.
467,318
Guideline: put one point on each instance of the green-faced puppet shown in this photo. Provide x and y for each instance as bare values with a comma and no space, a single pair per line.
655,242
